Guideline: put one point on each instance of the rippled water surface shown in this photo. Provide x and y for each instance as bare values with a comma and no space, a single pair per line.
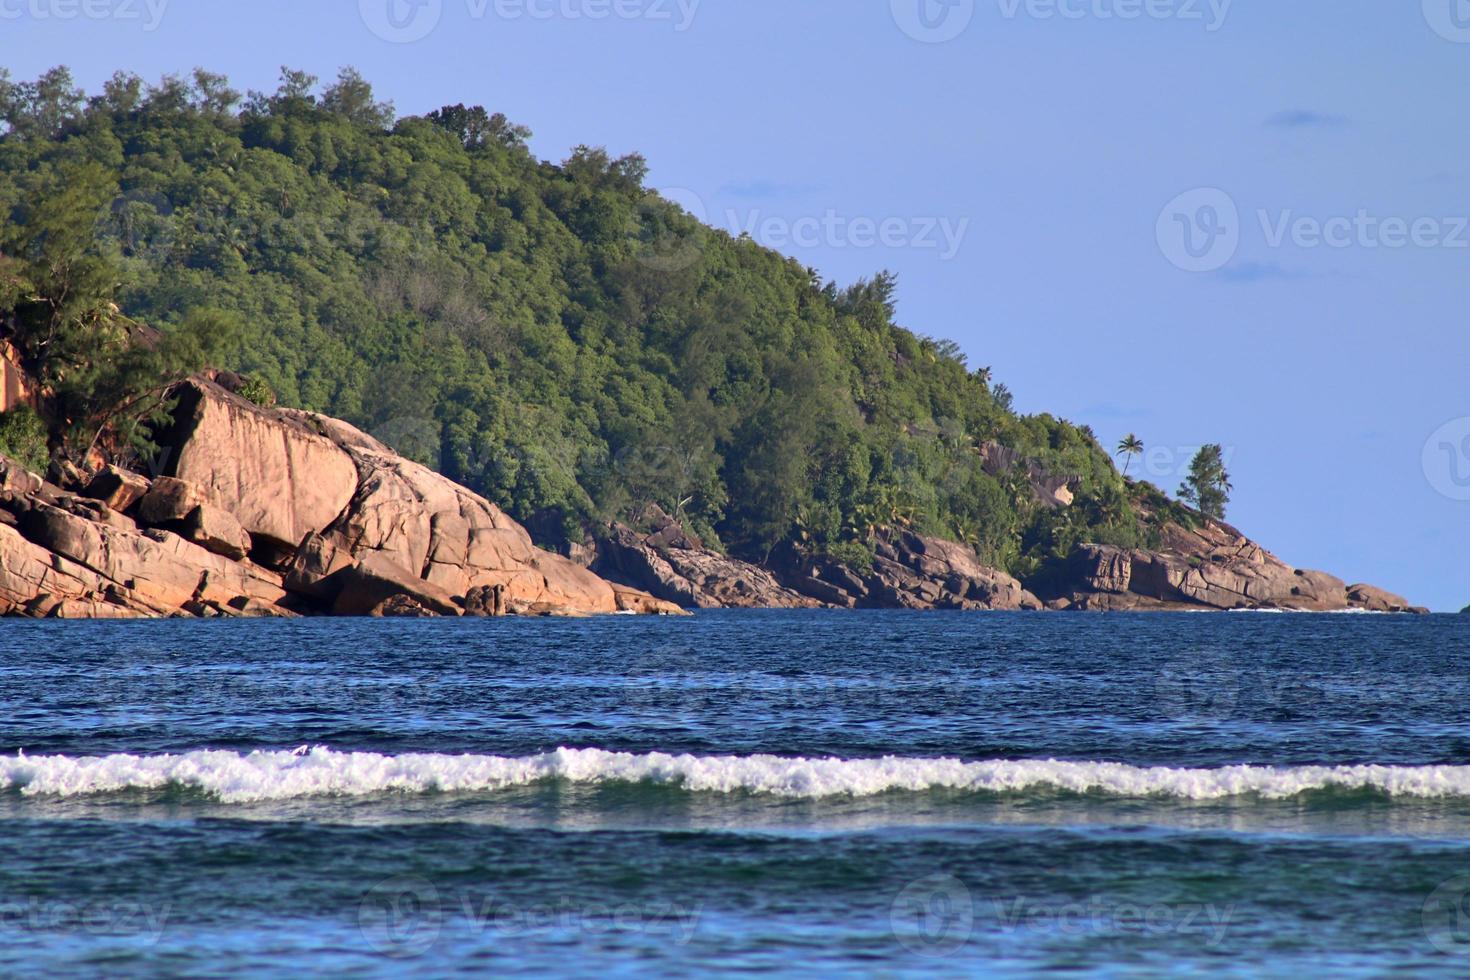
859,793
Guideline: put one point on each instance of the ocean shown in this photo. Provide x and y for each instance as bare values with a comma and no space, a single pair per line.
843,793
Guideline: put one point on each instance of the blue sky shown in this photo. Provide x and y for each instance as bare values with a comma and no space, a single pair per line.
1201,220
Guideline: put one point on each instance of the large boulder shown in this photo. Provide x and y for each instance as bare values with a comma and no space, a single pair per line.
311,570
215,529
912,571
277,476
33,584
364,587
1374,599
169,501
965,582
449,536
1102,568
117,488
317,495
668,564
56,562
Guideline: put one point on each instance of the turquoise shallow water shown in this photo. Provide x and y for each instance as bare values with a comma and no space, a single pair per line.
855,793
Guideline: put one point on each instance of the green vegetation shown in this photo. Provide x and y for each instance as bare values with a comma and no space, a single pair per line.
101,373
554,336
257,391
1208,487
23,438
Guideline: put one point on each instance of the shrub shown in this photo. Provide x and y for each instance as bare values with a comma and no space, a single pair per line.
23,438
259,392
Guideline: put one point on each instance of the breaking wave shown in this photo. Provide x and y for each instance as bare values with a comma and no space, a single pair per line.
233,777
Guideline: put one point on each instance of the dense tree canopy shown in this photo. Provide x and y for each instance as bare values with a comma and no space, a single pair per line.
552,335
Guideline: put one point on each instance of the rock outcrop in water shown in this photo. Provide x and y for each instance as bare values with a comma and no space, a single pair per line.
265,512
909,572
1212,566
676,567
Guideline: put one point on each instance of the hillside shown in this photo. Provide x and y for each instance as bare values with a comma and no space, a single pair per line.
553,336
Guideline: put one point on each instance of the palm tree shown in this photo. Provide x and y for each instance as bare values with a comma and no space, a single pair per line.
1130,446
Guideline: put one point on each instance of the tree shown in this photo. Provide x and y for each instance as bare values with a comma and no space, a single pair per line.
65,306
352,97
477,129
1208,486
1129,447
96,369
41,109
213,95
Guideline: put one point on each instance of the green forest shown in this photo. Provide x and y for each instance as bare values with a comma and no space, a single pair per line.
553,335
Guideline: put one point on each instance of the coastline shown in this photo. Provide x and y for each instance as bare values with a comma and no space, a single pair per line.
264,512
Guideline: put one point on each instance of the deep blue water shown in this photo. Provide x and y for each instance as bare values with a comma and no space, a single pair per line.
426,823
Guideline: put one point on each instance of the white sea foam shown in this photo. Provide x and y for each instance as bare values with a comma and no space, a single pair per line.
239,778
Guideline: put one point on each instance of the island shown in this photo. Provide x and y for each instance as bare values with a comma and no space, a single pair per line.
290,354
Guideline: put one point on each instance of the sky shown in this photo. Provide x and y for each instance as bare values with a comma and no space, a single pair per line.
1243,222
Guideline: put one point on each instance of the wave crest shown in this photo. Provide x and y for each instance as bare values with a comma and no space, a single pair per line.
235,777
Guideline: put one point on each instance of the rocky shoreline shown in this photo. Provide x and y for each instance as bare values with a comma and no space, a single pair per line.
274,512
1209,568
279,512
